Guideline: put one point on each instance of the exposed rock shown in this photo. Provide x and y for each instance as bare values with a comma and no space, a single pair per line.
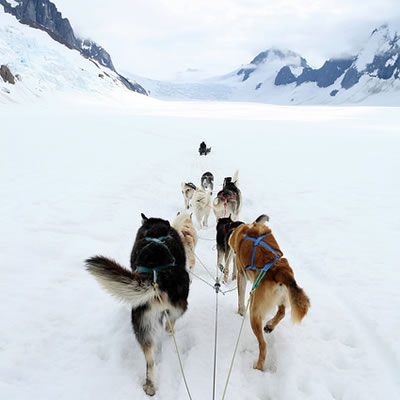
6,74
285,76
246,72
43,14
327,74
351,77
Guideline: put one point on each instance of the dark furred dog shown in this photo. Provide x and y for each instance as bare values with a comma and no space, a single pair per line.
158,247
229,200
225,227
207,181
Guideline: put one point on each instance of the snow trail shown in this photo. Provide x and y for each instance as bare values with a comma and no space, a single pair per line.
75,187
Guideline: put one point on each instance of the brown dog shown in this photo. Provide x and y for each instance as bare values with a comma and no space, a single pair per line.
277,288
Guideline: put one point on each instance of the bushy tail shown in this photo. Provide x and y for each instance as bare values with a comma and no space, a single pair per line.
262,219
119,282
235,178
299,301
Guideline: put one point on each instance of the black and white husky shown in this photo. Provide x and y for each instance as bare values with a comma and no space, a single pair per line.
207,181
229,200
225,227
157,256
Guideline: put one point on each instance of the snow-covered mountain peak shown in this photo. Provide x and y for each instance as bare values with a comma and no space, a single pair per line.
267,64
381,40
39,65
277,55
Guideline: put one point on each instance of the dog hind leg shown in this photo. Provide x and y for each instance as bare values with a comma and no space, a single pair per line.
234,269
272,323
220,256
241,286
256,324
148,386
228,258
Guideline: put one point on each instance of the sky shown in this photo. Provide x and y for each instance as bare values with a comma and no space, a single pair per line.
161,39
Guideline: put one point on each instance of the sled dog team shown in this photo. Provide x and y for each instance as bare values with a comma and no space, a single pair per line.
164,254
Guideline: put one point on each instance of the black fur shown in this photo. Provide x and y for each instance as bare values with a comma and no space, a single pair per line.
225,227
230,192
173,283
207,181
203,149
174,280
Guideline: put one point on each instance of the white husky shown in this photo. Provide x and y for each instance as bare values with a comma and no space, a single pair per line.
201,203
184,225
188,190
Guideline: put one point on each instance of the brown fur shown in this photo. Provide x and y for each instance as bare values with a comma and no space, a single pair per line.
277,288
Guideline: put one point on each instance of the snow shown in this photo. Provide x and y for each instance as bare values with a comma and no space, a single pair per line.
379,42
76,173
12,3
392,61
45,66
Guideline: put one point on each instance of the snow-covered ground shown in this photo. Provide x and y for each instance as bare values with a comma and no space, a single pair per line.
75,176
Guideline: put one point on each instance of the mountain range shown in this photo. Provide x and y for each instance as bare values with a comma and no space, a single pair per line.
284,77
274,76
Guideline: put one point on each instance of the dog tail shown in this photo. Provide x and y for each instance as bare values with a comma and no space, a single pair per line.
235,178
119,282
262,219
299,301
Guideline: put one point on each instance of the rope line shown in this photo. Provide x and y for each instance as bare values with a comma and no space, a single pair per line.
173,335
217,286
203,280
201,263
255,286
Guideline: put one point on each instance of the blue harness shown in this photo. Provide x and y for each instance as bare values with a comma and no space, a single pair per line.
258,241
154,270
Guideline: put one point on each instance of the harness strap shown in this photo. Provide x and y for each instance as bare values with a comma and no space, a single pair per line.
158,240
258,241
154,270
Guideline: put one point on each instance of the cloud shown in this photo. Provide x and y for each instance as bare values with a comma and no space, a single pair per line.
157,38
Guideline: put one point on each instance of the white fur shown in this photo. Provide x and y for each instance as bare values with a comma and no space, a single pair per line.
184,225
201,203
124,289
187,192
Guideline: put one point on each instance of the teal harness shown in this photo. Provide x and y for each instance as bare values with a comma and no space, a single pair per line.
154,270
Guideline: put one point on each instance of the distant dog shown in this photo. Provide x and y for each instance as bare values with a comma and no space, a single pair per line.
188,190
184,226
277,288
203,149
229,200
207,181
201,203
225,227
158,255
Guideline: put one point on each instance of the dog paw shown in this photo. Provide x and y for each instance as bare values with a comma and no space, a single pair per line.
268,329
241,312
258,365
169,330
149,388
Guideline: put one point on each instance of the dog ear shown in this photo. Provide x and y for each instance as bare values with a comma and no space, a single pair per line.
144,218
